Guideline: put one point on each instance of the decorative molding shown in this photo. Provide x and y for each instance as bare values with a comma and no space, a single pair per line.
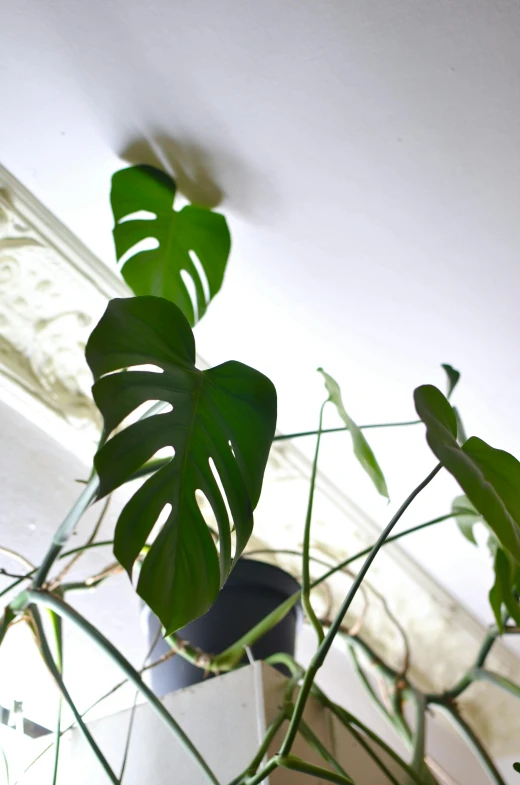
53,290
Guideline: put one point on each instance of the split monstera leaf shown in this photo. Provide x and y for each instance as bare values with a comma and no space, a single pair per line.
220,425
190,247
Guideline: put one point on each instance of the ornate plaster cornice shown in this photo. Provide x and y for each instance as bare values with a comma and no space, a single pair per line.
52,292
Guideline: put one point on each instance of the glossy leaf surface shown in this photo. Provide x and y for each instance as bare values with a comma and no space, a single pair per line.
164,270
490,478
224,416
362,449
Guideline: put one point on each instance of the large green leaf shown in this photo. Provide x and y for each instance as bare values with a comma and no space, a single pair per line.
490,478
193,229
226,415
362,449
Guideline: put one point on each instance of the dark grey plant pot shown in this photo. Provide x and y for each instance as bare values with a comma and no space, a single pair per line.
253,590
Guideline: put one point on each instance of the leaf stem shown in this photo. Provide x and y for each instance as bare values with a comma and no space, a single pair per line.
323,649
284,436
66,611
419,736
51,665
58,639
294,763
306,579
65,530
317,745
472,740
481,674
468,677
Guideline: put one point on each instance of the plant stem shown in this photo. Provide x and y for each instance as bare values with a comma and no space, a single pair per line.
270,766
419,736
283,436
65,530
472,740
66,611
319,657
264,746
86,547
349,721
317,745
468,677
293,763
306,579
51,665
393,538
504,683
58,639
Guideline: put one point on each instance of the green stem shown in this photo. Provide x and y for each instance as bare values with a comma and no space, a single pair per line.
58,640
65,611
481,674
270,766
360,673
473,742
64,531
261,752
282,658
51,665
351,722
283,436
323,649
317,745
359,554
306,579
293,763
419,736
467,678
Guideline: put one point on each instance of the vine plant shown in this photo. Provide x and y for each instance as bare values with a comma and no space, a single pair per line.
220,426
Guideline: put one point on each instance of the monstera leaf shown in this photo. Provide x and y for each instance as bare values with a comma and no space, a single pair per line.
221,427
165,270
490,478
362,449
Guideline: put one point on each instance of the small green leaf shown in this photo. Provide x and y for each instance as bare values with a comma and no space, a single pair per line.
225,415
504,571
467,517
453,378
362,449
490,478
159,271
516,767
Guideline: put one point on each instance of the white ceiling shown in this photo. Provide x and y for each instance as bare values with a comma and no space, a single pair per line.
367,158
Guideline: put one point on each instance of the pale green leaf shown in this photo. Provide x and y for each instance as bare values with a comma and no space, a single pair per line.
362,449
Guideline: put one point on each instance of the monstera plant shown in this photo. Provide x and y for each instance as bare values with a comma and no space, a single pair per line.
189,434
